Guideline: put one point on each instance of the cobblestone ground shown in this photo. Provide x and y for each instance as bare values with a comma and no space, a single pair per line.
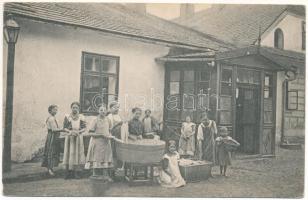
282,176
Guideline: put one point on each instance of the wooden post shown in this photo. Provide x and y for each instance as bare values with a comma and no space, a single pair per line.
6,154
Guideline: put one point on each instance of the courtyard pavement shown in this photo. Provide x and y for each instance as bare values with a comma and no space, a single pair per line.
281,176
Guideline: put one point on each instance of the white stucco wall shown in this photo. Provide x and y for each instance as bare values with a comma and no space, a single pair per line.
47,71
291,27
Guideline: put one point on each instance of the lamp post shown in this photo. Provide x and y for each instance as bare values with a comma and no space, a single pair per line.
10,32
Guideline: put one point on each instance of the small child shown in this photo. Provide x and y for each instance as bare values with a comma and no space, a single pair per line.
150,126
170,175
135,126
224,144
99,156
187,139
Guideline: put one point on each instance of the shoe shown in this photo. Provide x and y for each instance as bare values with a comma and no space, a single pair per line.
51,173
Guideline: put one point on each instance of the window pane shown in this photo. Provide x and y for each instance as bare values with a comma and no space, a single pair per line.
109,85
172,107
91,63
225,117
91,83
268,92
248,76
203,102
268,117
174,88
174,76
109,66
256,77
203,87
225,103
92,101
188,88
188,101
226,89
268,80
189,75
226,75
204,76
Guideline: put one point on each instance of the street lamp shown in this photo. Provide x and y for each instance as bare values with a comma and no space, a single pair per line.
10,32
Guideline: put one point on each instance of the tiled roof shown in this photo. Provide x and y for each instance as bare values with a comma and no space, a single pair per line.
238,24
284,59
116,19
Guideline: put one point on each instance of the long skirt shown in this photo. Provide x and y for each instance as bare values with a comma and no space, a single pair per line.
209,152
117,133
74,156
51,155
187,146
99,154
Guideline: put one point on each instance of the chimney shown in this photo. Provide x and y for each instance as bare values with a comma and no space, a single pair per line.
137,7
186,10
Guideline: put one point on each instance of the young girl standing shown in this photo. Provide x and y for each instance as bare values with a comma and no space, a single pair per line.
52,146
99,156
223,152
187,139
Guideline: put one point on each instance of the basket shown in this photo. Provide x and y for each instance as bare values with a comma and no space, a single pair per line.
197,171
140,151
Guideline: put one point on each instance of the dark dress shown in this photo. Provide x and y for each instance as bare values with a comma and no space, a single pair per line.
208,144
135,127
51,155
223,155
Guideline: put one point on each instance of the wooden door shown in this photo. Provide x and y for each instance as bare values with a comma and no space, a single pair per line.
248,118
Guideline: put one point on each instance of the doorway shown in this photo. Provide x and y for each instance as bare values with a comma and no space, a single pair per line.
248,118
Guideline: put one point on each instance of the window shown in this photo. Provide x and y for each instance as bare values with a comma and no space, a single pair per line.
292,97
99,81
268,100
292,100
303,35
187,91
226,81
225,114
278,39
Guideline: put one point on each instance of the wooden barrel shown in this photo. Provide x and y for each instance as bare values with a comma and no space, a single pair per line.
141,151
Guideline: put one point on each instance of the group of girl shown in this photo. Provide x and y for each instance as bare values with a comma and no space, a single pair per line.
104,131
210,143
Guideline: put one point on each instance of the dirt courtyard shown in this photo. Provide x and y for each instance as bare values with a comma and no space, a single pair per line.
282,176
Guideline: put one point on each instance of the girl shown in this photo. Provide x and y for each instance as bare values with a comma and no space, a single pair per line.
150,126
74,158
187,139
135,126
224,142
99,155
115,126
170,175
206,135
52,146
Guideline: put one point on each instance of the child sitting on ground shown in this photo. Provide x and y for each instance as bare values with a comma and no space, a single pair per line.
187,138
170,175
150,126
99,156
225,144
